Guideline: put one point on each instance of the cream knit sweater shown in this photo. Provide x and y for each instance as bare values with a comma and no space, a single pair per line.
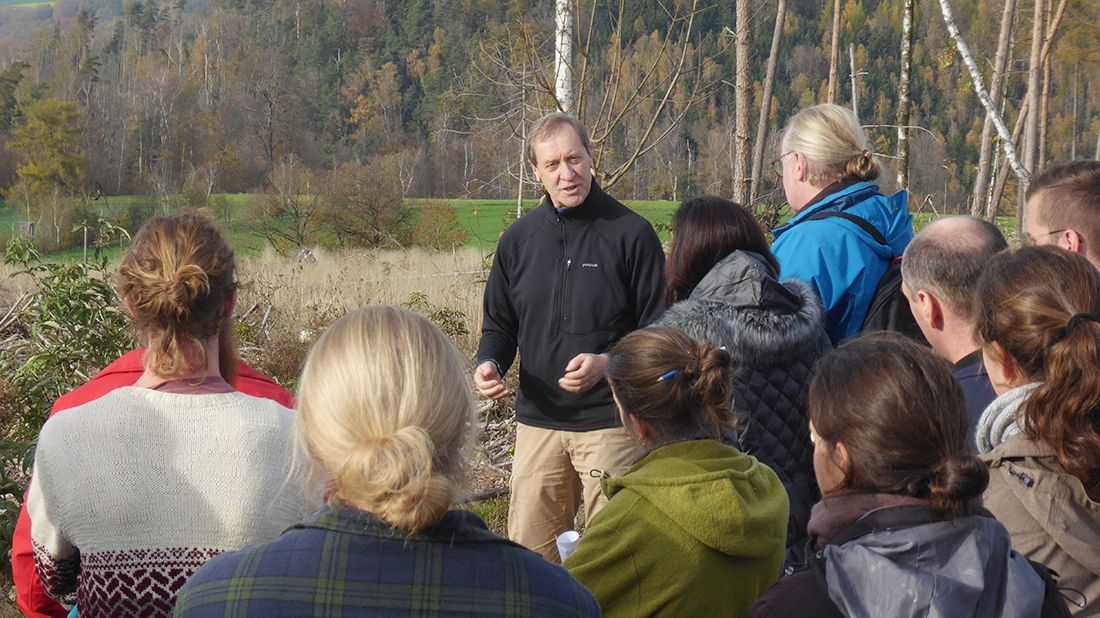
132,492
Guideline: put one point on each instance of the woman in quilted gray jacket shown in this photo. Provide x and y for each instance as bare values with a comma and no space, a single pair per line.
723,289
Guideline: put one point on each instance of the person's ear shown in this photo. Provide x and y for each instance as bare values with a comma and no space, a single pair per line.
1003,370
129,304
800,167
843,459
639,427
931,309
535,171
230,305
1072,240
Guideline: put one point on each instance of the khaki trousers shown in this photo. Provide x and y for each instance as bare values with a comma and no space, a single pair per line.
551,471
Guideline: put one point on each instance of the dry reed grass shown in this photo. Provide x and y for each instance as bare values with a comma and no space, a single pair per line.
285,303
300,298
308,294
12,286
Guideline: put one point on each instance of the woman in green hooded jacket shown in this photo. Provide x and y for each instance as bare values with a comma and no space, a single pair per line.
694,527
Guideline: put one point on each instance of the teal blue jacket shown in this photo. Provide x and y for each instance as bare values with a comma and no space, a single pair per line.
838,259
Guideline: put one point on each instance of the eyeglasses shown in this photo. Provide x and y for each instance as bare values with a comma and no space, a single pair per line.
1028,239
777,163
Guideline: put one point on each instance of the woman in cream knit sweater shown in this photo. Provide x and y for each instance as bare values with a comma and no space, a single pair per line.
133,491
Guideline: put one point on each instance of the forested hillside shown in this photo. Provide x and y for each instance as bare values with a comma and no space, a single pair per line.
165,98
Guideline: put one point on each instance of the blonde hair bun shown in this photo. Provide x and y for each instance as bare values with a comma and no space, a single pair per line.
833,142
384,410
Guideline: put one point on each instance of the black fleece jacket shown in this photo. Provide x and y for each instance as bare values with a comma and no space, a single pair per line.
563,284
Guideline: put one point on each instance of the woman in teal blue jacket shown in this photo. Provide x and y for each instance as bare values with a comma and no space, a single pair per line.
827,168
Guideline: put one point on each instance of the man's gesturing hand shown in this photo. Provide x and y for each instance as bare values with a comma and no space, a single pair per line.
488,381
583,372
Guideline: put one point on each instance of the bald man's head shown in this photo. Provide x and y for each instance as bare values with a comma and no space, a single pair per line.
947,257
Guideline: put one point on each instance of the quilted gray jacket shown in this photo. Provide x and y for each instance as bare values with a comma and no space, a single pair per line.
775,333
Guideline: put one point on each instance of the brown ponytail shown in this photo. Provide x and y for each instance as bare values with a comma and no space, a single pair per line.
1030,298
662,376
900,413
178,277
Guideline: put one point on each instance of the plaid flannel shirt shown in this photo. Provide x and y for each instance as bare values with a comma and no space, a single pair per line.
343,561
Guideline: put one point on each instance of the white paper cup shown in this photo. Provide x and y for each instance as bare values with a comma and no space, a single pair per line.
567,543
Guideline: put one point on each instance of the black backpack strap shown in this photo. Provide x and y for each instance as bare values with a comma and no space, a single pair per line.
860,221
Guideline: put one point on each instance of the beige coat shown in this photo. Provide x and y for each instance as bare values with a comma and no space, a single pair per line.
1049,516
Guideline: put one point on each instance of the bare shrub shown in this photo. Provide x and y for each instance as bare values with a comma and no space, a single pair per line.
288,214
363,205
439,227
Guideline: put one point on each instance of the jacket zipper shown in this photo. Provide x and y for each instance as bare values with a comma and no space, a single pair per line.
561,281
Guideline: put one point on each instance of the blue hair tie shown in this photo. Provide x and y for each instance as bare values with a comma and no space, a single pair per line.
668,374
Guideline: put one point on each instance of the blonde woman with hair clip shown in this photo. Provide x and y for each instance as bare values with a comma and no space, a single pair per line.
845,233
385,410
694,527
134,490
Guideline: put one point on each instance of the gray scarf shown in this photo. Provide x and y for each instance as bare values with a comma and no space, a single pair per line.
998,422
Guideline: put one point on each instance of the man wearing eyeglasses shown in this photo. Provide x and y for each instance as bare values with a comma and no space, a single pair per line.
1063,208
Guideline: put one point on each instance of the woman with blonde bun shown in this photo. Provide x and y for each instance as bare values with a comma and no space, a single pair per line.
384,412
135,489
845,233
900,531
694,527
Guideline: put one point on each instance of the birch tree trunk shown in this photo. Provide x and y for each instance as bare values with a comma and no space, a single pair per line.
980,198
855,78
1044,114
903,94
1002,177
976,78
834,54
563,55
742,182
766,101
522,140
1076,117
1021,118
1031,126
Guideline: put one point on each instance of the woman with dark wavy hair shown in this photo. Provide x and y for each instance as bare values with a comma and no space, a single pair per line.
900,530
723,290
1039,326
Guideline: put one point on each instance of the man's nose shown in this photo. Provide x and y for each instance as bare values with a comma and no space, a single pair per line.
567,172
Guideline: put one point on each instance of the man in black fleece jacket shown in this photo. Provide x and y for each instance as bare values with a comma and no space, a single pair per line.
569,279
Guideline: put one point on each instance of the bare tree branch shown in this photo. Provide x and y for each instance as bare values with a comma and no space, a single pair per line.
979,88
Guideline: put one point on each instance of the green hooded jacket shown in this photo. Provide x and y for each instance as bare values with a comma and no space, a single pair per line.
694,528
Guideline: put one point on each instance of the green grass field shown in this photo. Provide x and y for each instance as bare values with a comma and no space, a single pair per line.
487,219
484,219
16,4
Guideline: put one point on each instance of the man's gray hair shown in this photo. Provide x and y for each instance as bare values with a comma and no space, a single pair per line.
949,264
547,125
